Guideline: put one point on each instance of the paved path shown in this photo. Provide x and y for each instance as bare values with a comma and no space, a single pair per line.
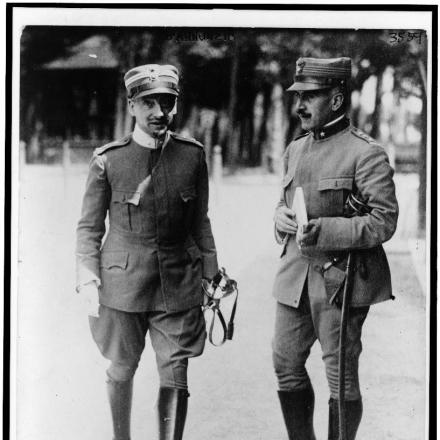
60,387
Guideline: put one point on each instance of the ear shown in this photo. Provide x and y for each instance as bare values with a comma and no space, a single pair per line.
337,101
174,110
130,104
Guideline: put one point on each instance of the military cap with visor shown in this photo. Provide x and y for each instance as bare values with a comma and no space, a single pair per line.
320,73
151,79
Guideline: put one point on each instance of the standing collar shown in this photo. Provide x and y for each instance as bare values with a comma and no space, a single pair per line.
147,141
334,121
331,128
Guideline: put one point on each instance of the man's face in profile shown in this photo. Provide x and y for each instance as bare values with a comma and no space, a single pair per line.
153,112
314,108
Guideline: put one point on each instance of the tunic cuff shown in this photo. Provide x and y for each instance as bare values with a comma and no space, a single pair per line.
210,266
280,237
85,276
335,234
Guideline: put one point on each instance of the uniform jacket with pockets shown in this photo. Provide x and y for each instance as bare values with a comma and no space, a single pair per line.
328,170
132,259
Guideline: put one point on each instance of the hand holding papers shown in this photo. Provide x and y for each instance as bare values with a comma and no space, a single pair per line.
300,210
299,207
285,223
288,220
307,231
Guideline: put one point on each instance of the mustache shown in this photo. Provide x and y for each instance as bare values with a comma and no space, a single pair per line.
162,120
303,114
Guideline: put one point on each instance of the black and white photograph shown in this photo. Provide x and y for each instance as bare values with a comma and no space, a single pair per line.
220,222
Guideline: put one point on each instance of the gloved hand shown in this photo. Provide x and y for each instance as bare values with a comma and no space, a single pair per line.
308,234
90,297
206,283
285,220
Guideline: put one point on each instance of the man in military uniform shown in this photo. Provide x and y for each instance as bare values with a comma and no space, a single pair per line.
331,162
148,272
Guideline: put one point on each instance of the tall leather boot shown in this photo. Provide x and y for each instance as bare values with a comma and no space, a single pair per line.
120,397
171,409
297,408
353,410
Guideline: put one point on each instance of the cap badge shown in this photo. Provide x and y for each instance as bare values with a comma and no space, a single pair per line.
151,75
300,66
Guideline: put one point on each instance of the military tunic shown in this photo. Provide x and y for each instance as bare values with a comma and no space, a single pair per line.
159,242
328,169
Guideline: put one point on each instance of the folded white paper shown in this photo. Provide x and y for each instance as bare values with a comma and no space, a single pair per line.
299,207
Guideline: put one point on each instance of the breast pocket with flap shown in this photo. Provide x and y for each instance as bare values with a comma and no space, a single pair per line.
333,191
114,260
126,210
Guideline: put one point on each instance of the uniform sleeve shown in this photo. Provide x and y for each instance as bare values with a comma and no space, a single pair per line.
91,226
202,231
374,180
281,237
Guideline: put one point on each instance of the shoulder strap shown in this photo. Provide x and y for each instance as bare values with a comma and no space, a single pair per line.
115,144
364,136
188,140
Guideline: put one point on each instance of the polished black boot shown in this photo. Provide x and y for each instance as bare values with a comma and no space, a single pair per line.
171,408
297,408
353,411
120,397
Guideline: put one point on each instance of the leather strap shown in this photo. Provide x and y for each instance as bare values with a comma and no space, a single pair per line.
228,330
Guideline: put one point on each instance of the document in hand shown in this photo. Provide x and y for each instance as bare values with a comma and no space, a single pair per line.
299,207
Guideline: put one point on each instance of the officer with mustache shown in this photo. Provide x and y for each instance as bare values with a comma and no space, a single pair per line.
330,162
146,275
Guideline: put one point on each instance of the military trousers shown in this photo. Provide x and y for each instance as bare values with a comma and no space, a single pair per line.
175,337
297,329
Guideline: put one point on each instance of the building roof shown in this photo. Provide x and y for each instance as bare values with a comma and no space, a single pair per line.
93,53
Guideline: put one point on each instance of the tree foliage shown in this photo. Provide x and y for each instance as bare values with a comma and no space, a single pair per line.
227,75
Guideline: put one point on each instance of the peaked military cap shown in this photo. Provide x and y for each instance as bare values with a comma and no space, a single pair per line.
150,79
320,73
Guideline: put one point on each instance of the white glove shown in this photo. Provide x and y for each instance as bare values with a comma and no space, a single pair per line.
90,297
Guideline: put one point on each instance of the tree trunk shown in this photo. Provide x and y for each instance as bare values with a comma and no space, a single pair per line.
264,134
422,170
207,120
257,125
375,117
422,153
119,114
232,154
129,120
355,110
246,153
277,135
